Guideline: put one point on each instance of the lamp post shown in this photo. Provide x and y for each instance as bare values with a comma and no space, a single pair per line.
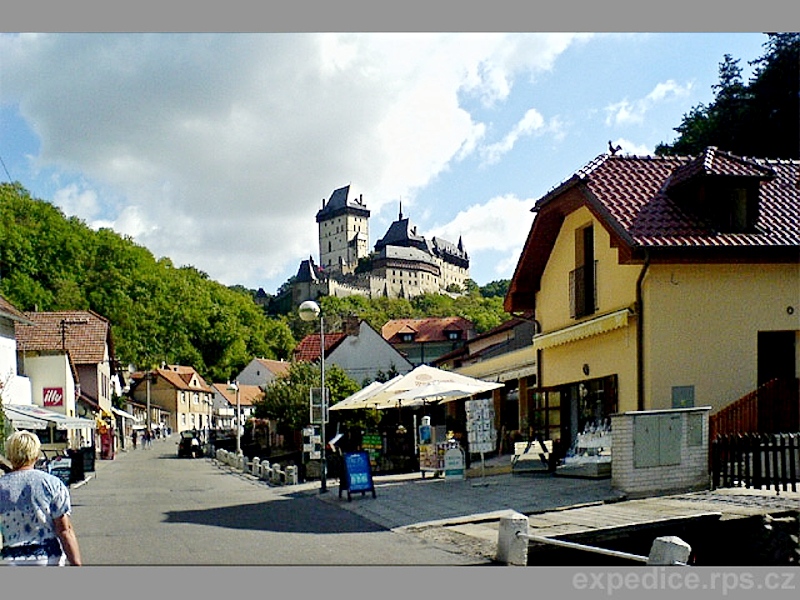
234,387
310,310
148,377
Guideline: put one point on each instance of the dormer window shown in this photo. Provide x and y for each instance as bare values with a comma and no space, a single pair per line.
453,335
406,337
720,189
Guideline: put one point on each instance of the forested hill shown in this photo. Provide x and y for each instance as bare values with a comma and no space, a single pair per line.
160,312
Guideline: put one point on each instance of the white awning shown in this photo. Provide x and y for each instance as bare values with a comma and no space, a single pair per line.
596,326
21,421
61,421
123,414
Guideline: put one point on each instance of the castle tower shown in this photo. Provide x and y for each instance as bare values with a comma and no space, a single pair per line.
343,232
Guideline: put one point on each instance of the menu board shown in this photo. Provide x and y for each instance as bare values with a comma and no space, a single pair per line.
357,474
481,434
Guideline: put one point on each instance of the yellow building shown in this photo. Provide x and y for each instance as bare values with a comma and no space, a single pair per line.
177,394
660,282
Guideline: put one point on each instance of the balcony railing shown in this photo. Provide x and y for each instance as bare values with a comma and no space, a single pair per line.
583,291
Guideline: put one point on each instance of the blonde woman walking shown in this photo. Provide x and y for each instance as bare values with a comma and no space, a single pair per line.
35,510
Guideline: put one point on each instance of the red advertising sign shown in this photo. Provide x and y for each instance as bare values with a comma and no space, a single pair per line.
53,396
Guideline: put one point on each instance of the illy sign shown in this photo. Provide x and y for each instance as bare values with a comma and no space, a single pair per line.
53,396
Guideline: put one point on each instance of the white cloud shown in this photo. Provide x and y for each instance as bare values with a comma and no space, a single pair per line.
221,147
73,201
502,223
633,112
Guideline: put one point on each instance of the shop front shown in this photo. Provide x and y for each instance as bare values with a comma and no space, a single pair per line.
57,432
577,417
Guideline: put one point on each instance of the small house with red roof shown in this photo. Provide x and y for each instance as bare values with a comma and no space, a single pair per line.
262,371
659,283
424,340
358,350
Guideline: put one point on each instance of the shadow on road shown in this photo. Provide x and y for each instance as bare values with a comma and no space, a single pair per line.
300,515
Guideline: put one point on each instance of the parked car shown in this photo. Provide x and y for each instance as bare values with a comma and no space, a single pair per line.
189,445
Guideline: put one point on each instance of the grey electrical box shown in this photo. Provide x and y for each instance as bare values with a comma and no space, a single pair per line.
656,440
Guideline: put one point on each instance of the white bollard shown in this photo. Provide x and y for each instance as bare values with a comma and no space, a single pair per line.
256,466
276,474
512,540
266,470
291,475
669,550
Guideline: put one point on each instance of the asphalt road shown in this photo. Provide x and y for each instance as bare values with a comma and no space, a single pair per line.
150,508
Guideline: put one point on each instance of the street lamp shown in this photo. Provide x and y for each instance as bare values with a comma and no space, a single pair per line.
234,387
310,310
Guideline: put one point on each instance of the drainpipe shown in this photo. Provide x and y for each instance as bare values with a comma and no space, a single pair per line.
640,334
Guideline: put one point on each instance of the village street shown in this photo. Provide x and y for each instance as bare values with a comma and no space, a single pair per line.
148,507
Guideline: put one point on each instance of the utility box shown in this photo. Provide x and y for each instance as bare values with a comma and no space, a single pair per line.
660,451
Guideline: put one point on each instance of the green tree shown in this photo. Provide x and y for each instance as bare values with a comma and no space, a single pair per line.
760,118
158,313
286,399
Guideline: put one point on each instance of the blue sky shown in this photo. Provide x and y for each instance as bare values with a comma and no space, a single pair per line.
216,150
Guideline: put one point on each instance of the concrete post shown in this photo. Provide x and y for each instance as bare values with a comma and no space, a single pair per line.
256,465
266,470
669,550
512,540
291,475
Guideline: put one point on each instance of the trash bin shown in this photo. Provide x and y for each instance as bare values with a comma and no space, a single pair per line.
76,467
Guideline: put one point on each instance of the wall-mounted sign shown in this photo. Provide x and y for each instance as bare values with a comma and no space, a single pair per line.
53,396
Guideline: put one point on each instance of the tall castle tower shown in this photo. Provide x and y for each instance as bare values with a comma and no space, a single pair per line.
343,232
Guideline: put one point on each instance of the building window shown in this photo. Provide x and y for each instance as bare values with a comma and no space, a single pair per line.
453,335
583,279
406,337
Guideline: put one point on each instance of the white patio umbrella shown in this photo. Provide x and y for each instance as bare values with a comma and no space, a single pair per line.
363,397
446,391
415,387
353,401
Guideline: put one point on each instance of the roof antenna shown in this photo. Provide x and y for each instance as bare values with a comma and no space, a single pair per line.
612,149
400,218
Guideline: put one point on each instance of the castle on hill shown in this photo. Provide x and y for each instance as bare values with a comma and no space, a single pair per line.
403,263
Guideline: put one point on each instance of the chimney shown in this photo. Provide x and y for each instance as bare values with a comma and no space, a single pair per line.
351,325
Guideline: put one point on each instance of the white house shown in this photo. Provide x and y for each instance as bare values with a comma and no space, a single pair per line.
262,371
359,351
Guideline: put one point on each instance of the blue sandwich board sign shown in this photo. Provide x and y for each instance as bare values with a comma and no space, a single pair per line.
357,476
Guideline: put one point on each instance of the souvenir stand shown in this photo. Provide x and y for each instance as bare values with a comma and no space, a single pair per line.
432,447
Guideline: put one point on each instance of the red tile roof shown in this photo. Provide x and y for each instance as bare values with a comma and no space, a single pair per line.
9,310
632,192
432,329
630,195
85,334
308,348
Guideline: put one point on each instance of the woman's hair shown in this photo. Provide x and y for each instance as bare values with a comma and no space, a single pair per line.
22,448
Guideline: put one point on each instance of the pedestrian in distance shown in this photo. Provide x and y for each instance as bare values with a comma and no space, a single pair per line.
35,508
133,439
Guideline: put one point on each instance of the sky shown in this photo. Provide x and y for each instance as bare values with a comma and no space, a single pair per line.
217,150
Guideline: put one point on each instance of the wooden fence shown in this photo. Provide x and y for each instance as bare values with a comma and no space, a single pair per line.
772,408
756,460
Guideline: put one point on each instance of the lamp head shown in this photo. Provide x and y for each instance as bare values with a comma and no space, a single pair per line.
309,310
